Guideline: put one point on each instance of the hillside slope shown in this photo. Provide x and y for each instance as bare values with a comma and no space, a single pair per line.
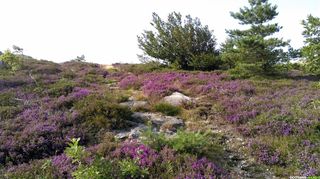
230,128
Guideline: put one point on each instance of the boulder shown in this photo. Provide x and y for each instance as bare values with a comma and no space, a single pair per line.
177,99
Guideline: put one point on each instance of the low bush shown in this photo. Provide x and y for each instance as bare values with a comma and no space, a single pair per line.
36,169
62,87
99,112
167,109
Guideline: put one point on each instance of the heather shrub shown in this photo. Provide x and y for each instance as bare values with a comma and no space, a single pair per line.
167,109
99,112
200,168
62,87
266,154
63,165
36,169
107,145
7,99
68,74
9,105
8,112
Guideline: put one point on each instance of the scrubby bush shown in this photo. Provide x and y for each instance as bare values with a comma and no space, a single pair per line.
167,109
10,60
130,169
98,111
36,169
62,87
165,44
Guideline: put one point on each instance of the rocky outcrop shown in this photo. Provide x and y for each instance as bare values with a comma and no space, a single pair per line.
160,123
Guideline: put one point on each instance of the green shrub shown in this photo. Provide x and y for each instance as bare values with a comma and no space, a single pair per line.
36,169
9,106
68,74
62,87
140,68
243,71
130,169
7,99
101,112
8,112
196,143
155,140
206,62
75,151
167,109
99,169
189,142
11,61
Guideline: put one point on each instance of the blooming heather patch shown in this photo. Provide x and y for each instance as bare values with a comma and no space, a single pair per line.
63,165
144,155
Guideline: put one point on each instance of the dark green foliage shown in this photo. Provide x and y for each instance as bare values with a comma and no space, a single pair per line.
182,44
100,168
140,68
99,112
155,140
36,169
196,143
8,106
129,169
255,45
167,109
311,50
62,87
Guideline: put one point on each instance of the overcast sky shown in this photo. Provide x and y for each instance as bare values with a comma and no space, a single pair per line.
106,31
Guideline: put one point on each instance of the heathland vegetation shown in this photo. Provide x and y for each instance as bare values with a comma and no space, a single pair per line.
191,110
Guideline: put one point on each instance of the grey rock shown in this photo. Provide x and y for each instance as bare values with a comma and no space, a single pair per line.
133,133
171,125
177,99
134,104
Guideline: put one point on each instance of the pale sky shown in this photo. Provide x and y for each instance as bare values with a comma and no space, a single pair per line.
106,31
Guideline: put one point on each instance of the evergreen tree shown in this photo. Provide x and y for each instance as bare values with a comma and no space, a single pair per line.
311,50
255,44
184,44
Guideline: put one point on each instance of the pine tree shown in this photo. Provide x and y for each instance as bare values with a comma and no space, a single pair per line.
311,50
255,45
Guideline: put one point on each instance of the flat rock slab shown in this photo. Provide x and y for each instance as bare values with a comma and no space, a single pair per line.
134,104
159,120
133,133
177,99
